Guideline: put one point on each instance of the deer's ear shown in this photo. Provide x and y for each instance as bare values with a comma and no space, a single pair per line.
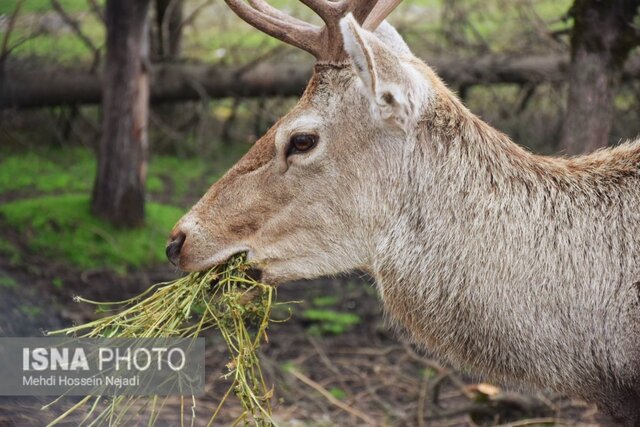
389,85
359,51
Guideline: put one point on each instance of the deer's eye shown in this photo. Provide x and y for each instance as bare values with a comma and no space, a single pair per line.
301,143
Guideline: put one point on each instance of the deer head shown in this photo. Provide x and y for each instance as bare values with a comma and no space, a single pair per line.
310,196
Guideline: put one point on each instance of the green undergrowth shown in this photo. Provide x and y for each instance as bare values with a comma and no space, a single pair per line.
8,282
10,251
330,322
62,228
44,197
40,6
338,393
185,175
58,44
326,315
72,170
65,48
69,170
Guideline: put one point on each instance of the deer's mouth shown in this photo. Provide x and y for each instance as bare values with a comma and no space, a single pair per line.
253,272
191,265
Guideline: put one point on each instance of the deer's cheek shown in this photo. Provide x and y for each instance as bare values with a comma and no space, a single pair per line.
238,230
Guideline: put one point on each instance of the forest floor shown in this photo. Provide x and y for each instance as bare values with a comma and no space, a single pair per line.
325,373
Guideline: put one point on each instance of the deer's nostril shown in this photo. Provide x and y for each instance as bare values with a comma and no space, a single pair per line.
175,246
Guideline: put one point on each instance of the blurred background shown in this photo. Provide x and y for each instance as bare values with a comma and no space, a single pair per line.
117,115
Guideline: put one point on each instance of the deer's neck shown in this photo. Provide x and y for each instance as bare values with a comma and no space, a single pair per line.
499,258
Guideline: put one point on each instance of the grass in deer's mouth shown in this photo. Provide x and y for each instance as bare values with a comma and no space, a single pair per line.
224,297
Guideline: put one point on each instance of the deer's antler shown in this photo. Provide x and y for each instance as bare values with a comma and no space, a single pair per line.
325,43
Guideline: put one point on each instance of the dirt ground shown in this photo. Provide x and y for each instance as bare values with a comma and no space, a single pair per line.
363,376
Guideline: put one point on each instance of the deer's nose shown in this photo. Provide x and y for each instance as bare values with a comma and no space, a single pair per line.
176,240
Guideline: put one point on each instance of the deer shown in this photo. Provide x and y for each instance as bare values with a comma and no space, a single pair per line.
520,268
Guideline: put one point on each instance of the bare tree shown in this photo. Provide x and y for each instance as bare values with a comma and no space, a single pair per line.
118,194
601,39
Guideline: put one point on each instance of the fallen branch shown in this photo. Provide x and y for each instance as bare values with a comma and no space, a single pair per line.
325,393
546,420
27,86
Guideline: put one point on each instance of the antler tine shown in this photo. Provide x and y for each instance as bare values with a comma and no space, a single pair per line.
362,8
380,11
290,30
323,43
330,12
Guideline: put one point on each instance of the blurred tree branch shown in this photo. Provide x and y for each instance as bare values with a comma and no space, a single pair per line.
4,47
5,50
77,30
97,10
194,14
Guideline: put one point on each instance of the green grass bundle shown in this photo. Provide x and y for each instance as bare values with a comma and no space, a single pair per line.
225,298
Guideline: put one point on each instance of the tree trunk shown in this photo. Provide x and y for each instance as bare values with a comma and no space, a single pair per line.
118,194
601,39
168,28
